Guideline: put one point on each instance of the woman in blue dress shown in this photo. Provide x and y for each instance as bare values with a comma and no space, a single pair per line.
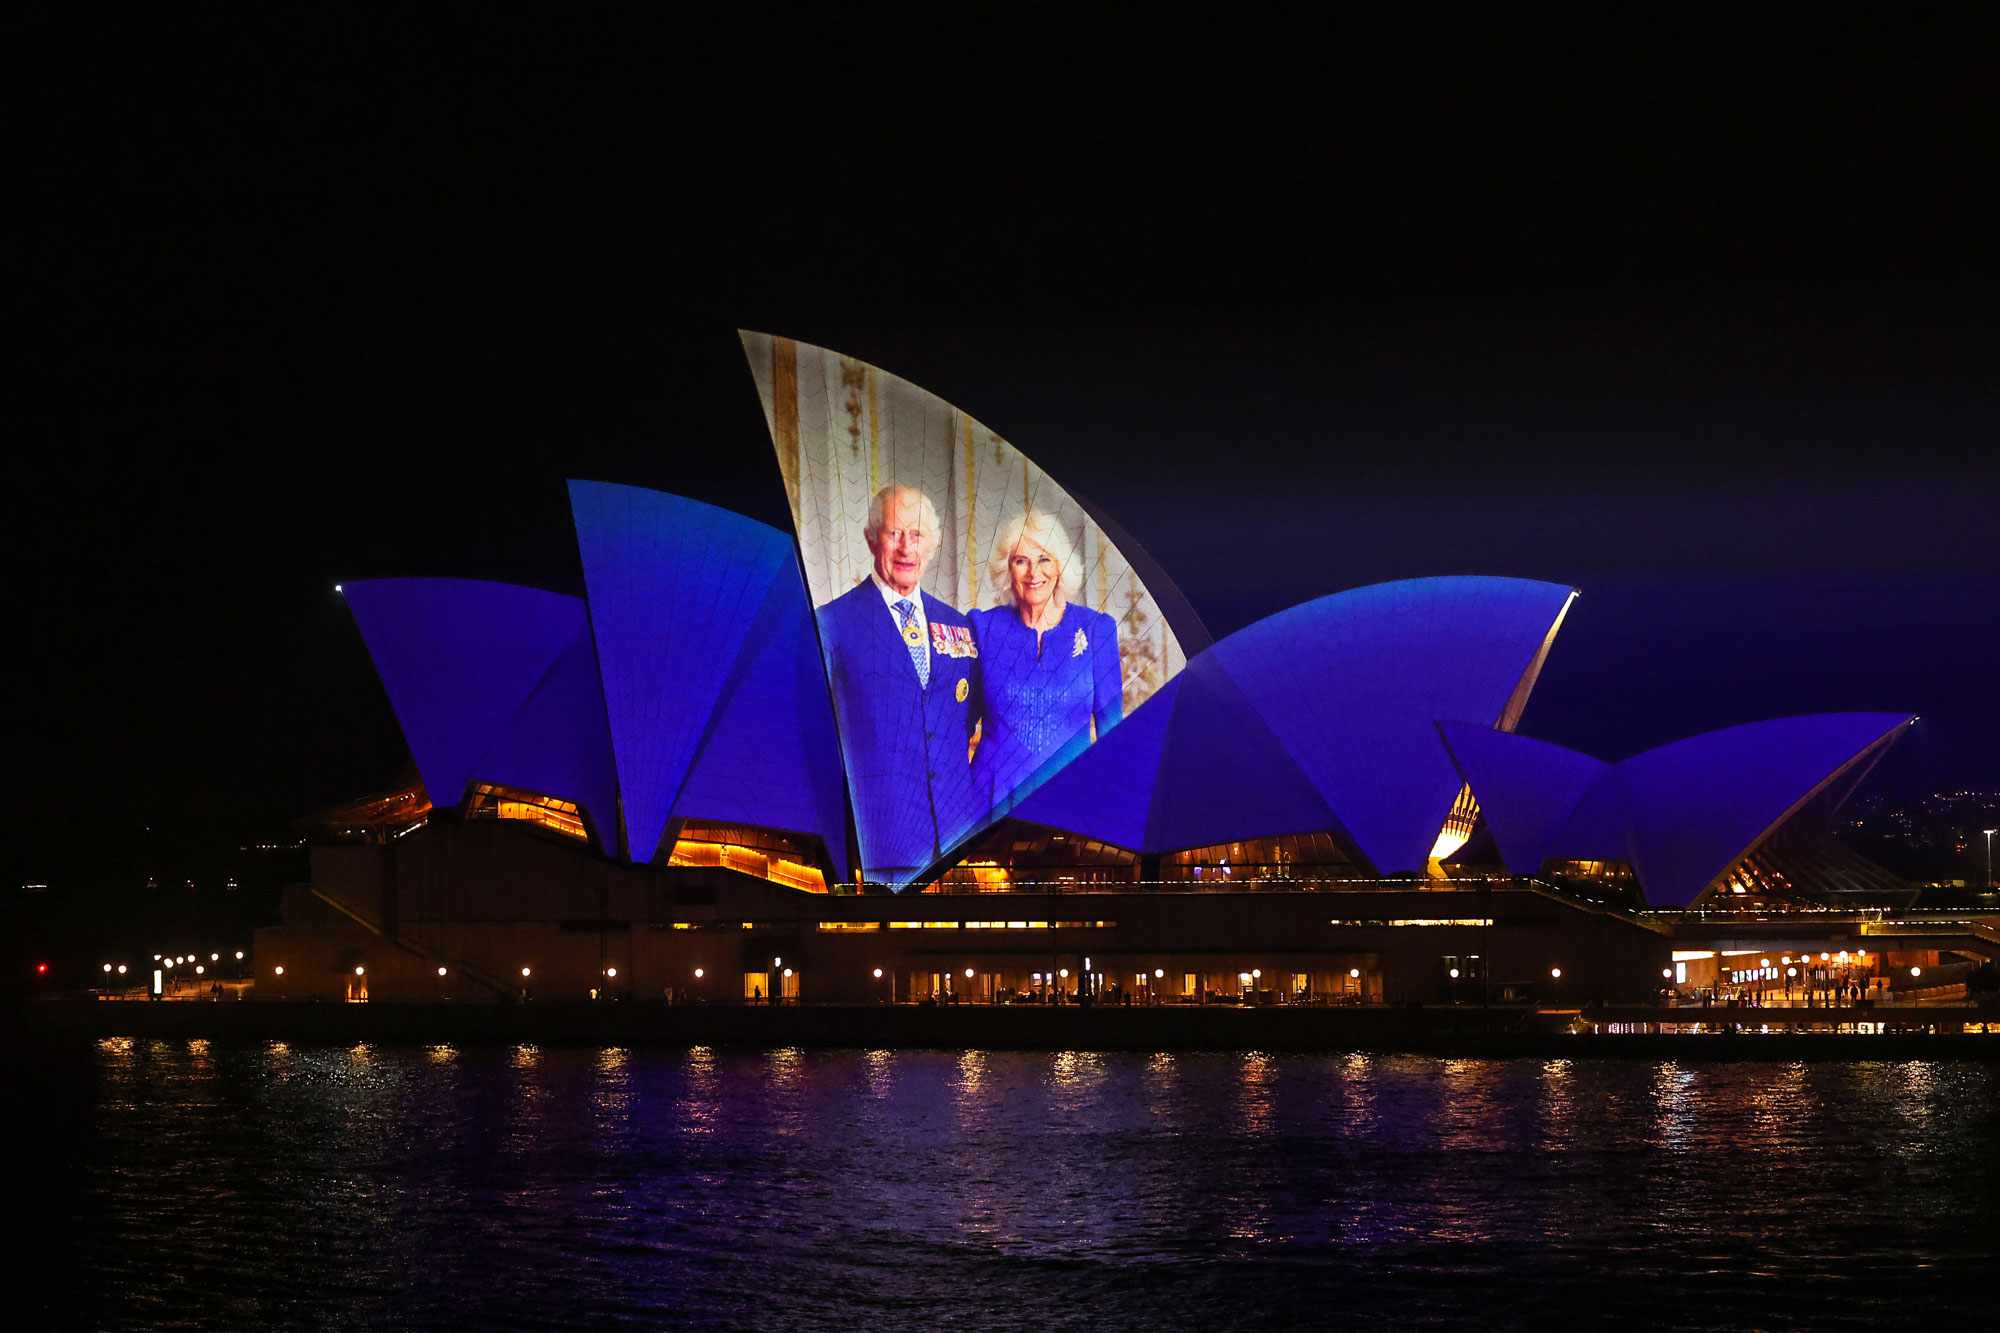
1048,664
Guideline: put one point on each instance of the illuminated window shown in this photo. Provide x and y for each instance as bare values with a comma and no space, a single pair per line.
1458,825
1018,855
1597,872
1414,921
763,853
850,925
558,816
1293,856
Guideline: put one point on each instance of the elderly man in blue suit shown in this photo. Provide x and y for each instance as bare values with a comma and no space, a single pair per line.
906,693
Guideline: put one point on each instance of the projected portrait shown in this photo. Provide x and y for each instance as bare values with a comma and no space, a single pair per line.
979,627
1049,663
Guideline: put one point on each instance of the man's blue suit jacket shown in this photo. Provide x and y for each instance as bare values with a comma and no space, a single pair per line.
904,744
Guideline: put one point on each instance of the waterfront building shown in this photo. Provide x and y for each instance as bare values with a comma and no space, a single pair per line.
684,784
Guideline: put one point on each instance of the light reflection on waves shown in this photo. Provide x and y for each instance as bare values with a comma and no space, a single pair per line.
438,1185
1247,1205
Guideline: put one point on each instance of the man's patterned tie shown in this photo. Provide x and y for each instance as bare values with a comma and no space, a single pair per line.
913,638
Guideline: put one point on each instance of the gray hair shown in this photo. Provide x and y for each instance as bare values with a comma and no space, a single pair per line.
1043,529
927,514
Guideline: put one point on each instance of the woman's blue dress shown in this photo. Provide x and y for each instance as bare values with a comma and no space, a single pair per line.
1041,697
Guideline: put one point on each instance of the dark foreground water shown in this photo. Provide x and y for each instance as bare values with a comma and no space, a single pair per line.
184,1184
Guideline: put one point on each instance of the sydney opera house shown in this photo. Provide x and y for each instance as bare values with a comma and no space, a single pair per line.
956,738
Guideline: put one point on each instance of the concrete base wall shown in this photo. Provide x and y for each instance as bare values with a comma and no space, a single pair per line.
486,900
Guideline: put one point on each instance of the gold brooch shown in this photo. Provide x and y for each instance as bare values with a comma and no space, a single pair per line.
964,688
1082,643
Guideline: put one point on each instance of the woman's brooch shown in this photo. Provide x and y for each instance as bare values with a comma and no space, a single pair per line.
1081,645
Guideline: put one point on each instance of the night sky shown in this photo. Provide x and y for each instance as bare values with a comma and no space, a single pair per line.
327,296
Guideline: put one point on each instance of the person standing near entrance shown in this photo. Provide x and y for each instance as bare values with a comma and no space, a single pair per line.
906,694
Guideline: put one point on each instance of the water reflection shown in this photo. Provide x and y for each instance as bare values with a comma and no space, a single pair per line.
1674,1106
1163,1086
698,1109
1557,1108
1467,1119
785,1084
612,1131
1357,1096
967,1087
1779,1101
1073,1078
879,1070
1255,1074
527,1106
1916,1105
440,1186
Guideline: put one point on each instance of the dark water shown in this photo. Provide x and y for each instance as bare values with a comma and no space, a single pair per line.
183,1184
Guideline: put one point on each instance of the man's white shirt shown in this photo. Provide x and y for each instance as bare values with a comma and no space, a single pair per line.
916,599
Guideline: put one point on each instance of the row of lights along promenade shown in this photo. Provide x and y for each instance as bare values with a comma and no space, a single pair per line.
1063,1008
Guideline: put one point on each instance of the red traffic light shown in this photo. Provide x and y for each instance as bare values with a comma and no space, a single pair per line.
41,969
